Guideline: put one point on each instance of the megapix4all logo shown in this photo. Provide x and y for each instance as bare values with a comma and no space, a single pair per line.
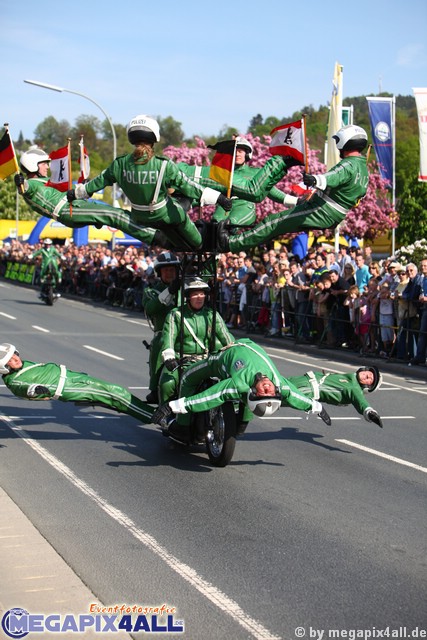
18,623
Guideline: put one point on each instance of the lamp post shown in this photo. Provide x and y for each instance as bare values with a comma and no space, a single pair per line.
77,93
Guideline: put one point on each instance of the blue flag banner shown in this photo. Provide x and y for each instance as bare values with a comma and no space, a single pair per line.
381,115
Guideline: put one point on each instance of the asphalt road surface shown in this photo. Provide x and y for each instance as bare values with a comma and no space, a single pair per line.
309,529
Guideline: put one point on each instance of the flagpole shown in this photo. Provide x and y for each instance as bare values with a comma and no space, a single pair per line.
232,170
21,188
304,130
70,178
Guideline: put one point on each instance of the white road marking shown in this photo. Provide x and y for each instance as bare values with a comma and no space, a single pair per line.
103,353
374,452
225,604
35,326
135,321
6,315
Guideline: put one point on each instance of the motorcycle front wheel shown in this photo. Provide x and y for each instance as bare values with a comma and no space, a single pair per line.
221,435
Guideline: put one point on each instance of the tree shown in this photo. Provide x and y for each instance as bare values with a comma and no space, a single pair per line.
412,211
51,134
8,202
170,131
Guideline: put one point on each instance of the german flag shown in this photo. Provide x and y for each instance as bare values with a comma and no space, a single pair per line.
8,164
222,164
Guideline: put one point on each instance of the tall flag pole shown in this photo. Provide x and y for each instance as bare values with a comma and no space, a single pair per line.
334,124
382,118
84,161
421,102
70,177
335,117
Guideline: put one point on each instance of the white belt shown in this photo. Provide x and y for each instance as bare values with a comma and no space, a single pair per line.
61,383
314,385
55,212
334,204
149,207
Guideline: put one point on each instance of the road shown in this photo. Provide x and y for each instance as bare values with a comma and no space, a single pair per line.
309,526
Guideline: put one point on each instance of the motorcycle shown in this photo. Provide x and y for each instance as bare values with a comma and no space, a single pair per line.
216,429
47,292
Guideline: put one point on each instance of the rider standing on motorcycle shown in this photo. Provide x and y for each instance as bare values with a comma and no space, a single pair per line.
157,301
49,263
50,381
189,333
246,374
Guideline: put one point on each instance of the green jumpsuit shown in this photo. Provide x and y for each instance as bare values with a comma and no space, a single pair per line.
196,342
72,386
157,302
50,257
236,366
333,388
342,188
51,203
243,212
146,185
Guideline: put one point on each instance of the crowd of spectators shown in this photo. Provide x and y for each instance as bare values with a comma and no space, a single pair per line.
347,300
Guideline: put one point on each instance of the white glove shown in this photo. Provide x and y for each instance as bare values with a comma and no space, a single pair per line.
80,191
177,406
165,297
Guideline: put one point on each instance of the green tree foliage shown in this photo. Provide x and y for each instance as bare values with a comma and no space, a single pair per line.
413,211
51,134
8,202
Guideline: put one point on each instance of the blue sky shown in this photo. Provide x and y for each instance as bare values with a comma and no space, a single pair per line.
207,64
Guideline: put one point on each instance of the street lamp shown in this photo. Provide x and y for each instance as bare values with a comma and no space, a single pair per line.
60,90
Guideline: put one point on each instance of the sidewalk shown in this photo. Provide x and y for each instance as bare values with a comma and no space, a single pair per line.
34,577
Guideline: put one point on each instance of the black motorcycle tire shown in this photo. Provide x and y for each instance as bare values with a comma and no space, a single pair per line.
49,296
223,423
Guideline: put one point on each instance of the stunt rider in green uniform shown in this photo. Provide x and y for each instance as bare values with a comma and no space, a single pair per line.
342,389
246,374
243,212
51,203
50,381
191,333
49,262
146,180
338,191
157,301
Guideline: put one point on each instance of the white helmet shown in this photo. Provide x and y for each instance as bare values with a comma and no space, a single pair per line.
196,284
351,138
29,160
143,129
166,259
6,352
47,241
246,145
263,406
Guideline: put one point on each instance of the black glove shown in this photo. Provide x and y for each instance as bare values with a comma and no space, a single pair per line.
19,180
325,417
171,364
71,195
374,416
37,390
161,414
225,203
174,286
291,162
309,180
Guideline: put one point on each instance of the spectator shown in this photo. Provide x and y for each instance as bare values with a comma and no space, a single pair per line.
410,295
339,318
362,274
420,358
386,320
